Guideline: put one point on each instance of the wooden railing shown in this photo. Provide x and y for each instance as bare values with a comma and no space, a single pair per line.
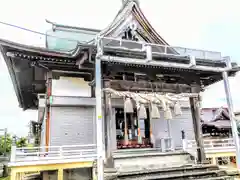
56,153
212,145
139,46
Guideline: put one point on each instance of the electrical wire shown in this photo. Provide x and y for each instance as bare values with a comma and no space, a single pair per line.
37,32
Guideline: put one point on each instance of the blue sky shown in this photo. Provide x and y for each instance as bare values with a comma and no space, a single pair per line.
204,24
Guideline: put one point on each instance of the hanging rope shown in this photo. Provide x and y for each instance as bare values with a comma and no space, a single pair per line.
155,100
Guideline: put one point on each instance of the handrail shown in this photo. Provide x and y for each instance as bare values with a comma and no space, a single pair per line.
43,147
213,145
41,153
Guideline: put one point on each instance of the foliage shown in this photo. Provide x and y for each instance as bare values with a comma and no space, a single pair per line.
21,142
8,144
5,178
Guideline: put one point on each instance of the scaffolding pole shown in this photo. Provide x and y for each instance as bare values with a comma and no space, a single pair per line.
232,117
99,118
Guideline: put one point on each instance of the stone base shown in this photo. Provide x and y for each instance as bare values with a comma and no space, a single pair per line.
151,164
176,173
137,159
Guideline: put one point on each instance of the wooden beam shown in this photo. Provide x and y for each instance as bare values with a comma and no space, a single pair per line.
108,133
124,85
194,104
37,82
152,73
82,59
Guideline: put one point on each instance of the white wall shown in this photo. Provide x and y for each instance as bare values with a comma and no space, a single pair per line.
69,86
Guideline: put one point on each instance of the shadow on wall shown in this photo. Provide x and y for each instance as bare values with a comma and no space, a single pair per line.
73,174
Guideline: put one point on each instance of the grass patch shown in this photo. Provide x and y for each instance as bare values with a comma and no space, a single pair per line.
5,178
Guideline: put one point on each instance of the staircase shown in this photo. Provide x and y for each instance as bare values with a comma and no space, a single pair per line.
154,165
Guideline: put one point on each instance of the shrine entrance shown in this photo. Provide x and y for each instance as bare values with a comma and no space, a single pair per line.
133,127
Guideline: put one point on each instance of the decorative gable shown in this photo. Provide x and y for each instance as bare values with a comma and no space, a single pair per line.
131,24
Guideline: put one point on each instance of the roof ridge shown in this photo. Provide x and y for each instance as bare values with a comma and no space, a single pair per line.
56,25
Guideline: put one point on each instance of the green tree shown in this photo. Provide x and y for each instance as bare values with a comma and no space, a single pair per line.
21,142
8,144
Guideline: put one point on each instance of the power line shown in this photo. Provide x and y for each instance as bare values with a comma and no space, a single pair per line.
36,32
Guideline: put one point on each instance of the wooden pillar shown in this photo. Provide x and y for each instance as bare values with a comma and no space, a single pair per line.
108,132
195,109
151,138
13,175
125,128
49,94
45,175
60,174
105,124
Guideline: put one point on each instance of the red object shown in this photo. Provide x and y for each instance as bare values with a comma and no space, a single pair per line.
133,144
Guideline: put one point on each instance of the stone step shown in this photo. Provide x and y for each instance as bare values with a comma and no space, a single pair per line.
180,172
152,159
218,178
178,176
120,151
176,169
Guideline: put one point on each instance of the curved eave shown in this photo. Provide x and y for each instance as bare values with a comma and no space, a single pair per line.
44,51
10,49
9,46
13,78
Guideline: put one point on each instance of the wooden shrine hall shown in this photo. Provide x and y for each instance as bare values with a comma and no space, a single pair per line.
129,78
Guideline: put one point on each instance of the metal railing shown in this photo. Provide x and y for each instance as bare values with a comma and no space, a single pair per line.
212,145
47,153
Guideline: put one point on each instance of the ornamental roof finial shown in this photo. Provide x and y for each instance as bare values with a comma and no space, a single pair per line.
136,1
